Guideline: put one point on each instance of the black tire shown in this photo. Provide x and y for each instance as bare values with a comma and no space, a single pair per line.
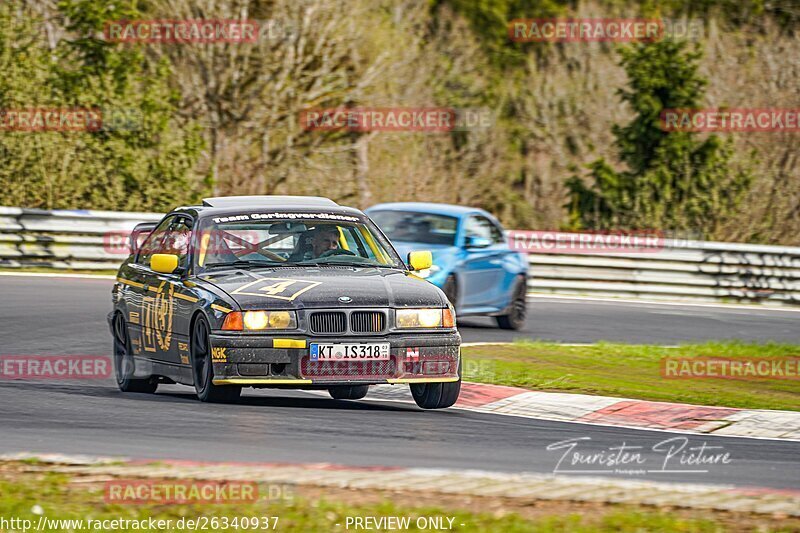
515,319
348,392
436,395
124,364
450,290
203,368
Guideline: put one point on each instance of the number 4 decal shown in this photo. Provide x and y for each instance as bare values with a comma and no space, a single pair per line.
277,288
280,288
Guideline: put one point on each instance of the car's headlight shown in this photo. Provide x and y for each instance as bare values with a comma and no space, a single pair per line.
260,320
424,318
428,272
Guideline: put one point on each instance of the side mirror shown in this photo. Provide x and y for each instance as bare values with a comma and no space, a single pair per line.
477,242
420,260
164,263
139,234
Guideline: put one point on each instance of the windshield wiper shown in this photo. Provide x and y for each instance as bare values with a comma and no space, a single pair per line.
242,263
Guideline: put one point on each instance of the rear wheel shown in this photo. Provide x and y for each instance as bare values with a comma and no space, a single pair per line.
203,368
437,395
515,318
348,392
123,361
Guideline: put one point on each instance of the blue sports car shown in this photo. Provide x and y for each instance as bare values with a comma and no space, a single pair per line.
472,262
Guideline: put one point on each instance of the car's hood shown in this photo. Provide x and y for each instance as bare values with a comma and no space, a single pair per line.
301,287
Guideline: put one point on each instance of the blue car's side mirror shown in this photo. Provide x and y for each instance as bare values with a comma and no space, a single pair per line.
477,242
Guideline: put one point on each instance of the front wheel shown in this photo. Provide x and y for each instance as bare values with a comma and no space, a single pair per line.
348,392
436,395
515,318
203,368
124,364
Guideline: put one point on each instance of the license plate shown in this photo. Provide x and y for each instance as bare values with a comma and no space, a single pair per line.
350,352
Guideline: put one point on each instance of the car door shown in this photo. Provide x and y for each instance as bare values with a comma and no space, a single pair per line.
176,300
510,268
138,297
165,306
483,263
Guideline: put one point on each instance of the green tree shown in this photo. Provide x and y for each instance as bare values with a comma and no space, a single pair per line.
143,156
673,180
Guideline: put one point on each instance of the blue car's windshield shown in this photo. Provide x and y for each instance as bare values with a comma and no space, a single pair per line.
423,228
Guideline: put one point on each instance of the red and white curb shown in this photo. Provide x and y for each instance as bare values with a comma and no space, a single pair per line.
519,487
604,410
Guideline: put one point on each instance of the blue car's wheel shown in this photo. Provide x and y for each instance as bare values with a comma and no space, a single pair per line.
450,289
517,311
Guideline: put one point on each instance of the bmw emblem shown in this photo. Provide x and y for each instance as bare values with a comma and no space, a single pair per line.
345,299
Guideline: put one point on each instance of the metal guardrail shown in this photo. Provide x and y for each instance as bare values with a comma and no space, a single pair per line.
665,269
77,240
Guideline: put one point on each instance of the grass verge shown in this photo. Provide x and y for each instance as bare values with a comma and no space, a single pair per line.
631,371
29,495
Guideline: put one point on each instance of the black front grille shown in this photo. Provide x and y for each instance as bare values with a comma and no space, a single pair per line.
328,322
367,321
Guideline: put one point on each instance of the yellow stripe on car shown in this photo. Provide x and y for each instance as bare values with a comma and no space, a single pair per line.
422,380
261,381
342,239
288,343
131,283
376,250
204,240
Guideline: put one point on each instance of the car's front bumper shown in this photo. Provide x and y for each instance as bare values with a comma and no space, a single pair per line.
259,360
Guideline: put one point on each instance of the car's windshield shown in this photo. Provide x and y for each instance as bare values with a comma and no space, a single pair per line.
260,239
424,228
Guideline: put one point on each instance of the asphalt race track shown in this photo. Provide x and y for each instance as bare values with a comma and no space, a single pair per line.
579,321
75,309
67,316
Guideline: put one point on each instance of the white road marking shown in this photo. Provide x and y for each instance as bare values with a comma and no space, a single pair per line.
57,275
751,307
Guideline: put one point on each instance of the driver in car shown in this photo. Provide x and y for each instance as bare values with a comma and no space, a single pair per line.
323,239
